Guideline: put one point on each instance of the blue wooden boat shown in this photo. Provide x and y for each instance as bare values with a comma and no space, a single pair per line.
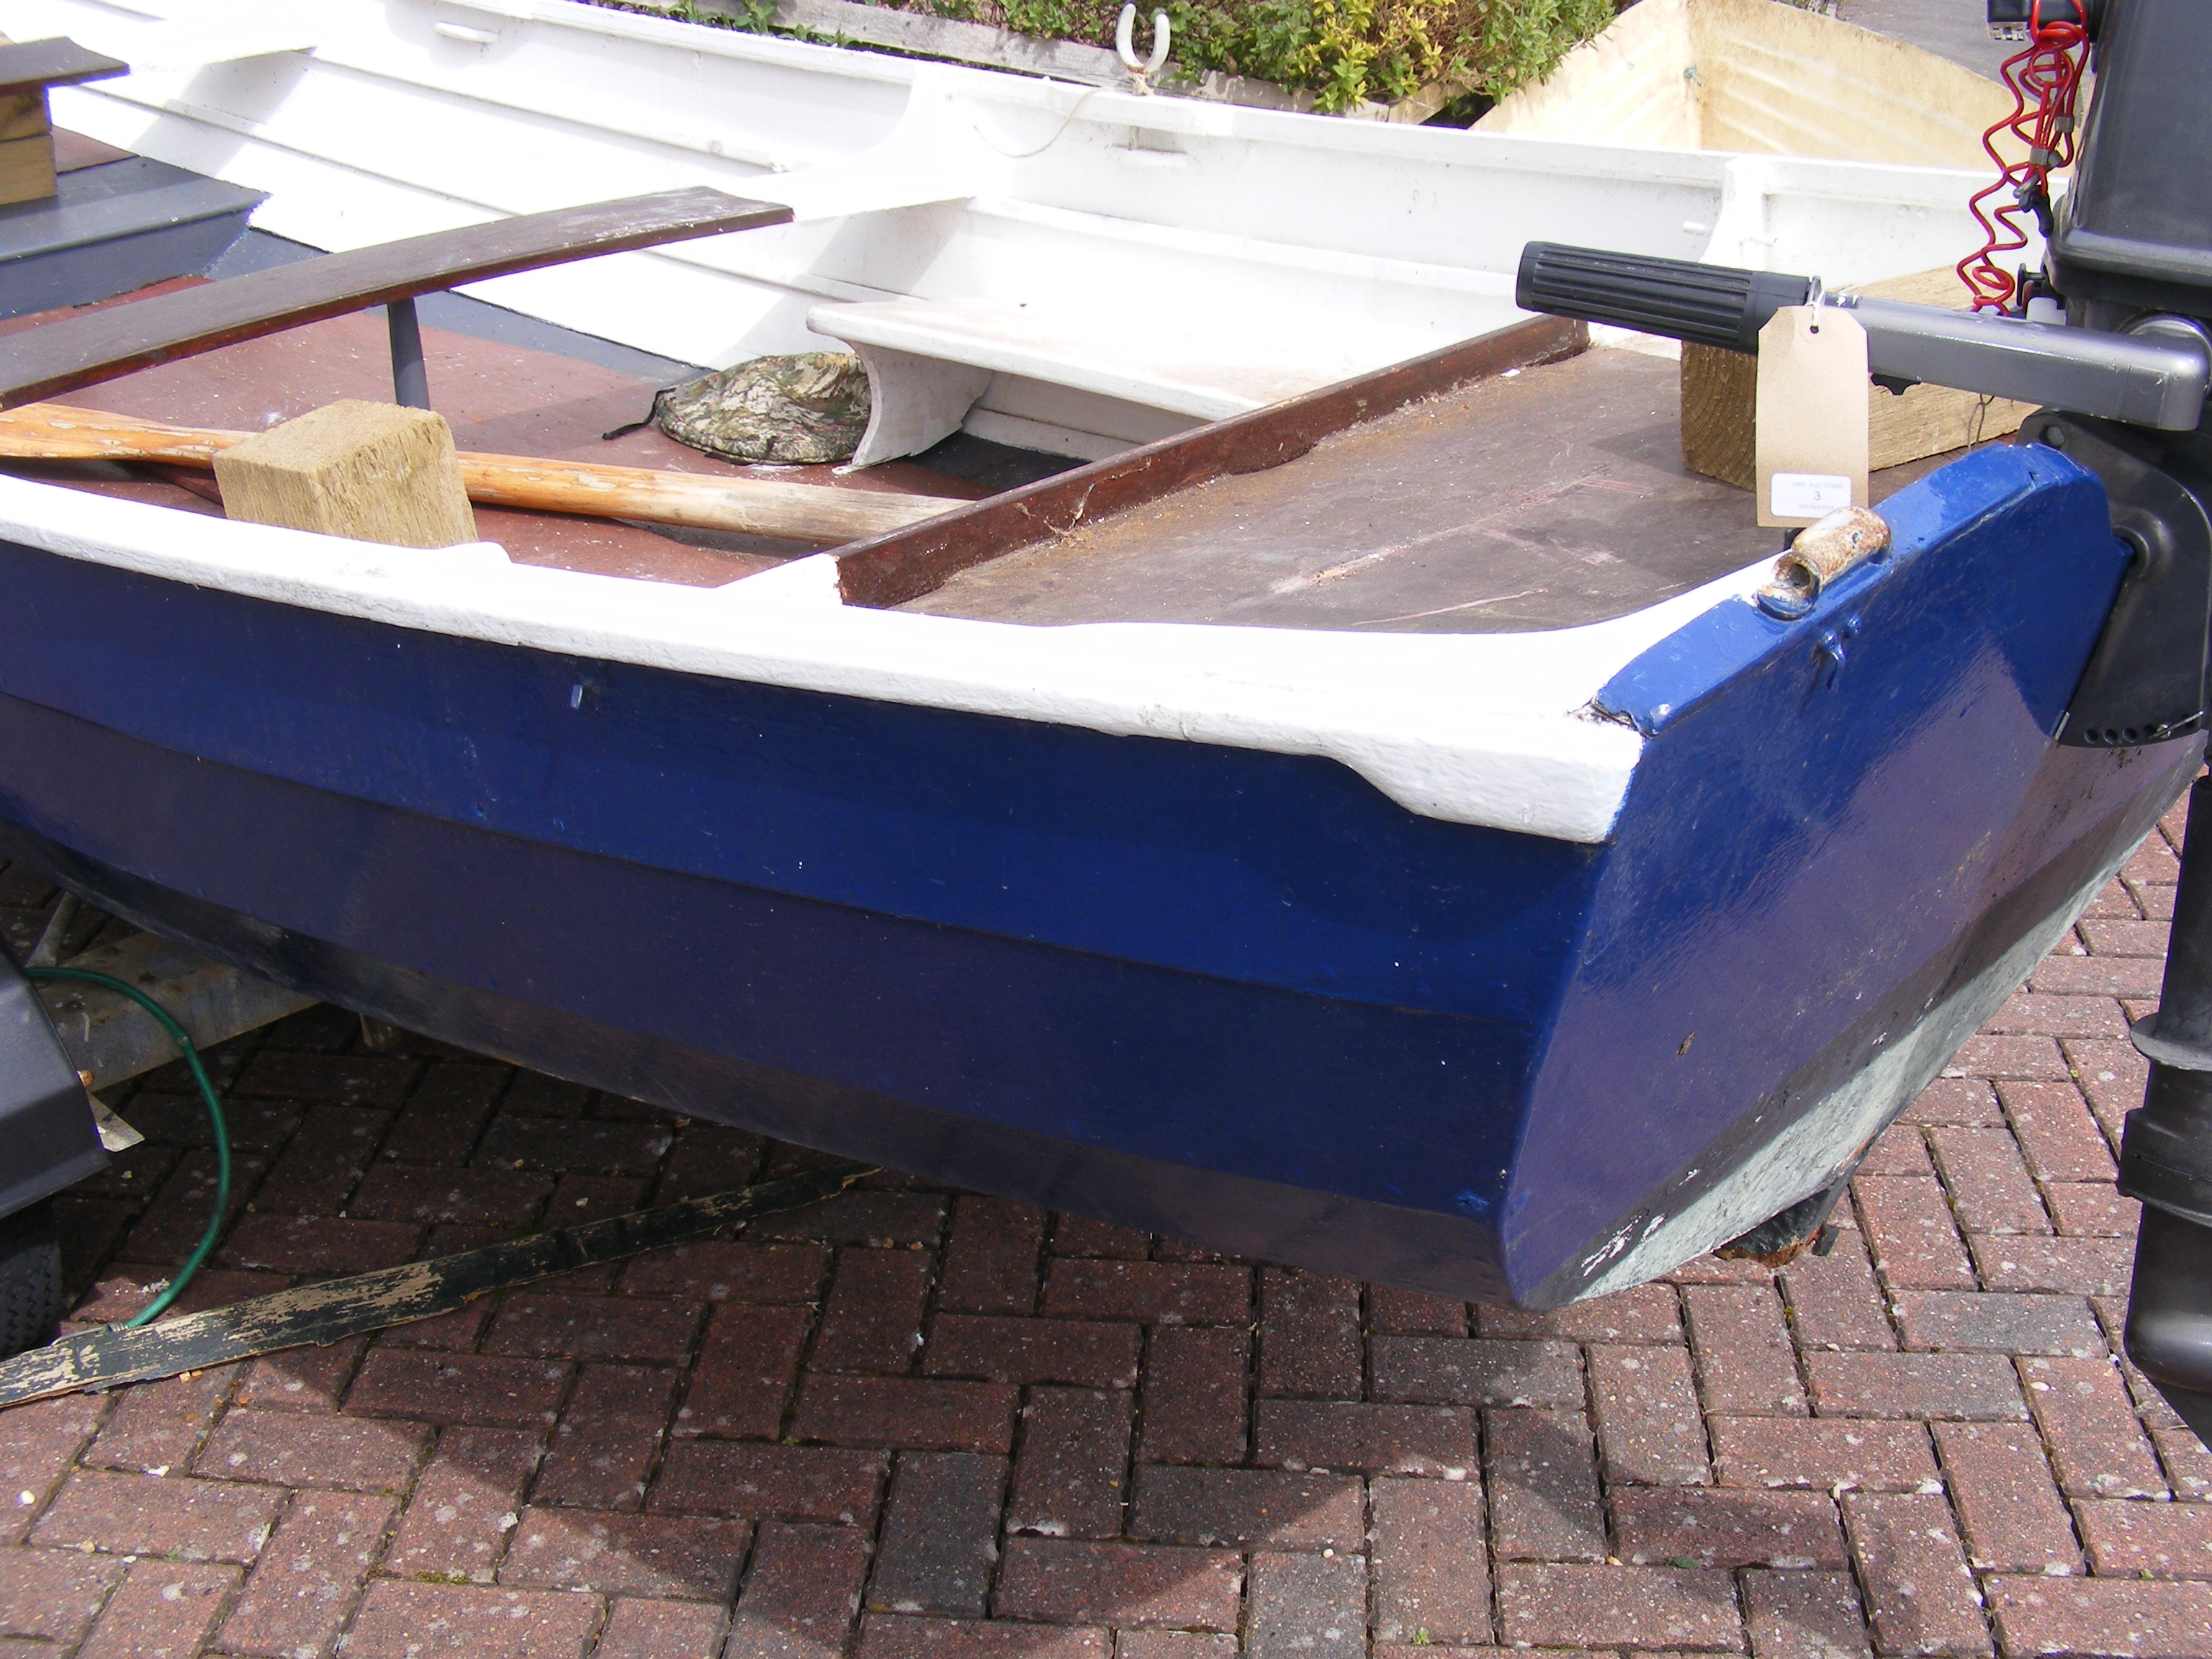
1481,953
1384,833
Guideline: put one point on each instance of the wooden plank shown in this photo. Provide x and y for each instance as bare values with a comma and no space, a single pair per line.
111,1039
891,570
108,1356
759,507
82,351
59,62
1719,393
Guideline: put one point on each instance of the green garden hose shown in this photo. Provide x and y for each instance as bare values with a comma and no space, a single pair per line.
183,1276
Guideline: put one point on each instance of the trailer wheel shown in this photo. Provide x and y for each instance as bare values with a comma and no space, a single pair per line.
30,1278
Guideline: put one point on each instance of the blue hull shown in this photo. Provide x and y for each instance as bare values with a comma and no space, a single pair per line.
1234,995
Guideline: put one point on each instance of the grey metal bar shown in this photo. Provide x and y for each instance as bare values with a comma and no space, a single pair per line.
411,386
2150,380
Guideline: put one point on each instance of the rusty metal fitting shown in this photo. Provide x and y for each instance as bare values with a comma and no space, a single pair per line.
1843,541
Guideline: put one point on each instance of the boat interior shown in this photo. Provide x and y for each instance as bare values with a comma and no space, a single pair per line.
1523,481
498,397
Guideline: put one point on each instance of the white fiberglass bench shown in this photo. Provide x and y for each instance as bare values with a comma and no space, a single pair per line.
929,361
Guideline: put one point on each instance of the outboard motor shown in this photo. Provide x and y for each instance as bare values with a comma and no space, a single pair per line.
2114,337
2131,252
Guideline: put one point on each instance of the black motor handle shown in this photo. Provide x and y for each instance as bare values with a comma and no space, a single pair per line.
1705,305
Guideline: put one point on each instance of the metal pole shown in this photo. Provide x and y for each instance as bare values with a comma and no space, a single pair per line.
2165,1152
411,386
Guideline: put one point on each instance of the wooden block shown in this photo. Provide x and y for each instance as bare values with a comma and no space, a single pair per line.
376,473
23,115
1719,389
27,168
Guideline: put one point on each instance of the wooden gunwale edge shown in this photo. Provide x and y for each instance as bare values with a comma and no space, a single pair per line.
880,572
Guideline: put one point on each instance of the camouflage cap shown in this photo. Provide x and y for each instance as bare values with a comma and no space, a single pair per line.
809,406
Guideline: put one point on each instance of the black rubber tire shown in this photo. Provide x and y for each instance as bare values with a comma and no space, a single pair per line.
30,1279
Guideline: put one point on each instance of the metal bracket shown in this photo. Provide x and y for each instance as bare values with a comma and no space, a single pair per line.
411,386
2146,679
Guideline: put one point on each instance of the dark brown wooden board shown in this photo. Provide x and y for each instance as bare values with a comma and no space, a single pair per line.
84,350
59,62
1548,496
889,570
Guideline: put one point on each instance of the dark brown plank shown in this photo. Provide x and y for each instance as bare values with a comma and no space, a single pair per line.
59,62
84,350
883,571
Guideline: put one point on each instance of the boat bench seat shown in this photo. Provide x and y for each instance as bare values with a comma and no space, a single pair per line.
102,345
928,361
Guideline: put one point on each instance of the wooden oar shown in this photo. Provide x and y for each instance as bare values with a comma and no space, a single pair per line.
806,513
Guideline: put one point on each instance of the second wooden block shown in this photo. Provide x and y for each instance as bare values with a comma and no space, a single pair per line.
1719,389
376,472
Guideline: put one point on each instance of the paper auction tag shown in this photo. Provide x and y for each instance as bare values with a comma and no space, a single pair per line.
1811,420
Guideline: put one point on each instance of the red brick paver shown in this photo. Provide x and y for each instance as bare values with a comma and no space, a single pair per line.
917,1424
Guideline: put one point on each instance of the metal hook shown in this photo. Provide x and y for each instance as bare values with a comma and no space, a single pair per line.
1125,46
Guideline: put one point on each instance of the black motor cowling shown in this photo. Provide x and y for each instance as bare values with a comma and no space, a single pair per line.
2134,231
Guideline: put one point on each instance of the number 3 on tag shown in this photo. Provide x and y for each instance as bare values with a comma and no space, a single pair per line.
1811,415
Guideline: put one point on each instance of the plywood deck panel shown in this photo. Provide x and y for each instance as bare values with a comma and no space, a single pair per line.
1551,496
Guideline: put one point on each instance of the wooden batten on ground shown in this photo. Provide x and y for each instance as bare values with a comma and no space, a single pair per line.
376,473
1720,388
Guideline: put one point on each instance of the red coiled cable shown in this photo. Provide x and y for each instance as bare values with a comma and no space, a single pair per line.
2043,80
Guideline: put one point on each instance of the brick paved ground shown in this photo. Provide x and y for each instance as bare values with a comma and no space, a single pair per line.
916,1424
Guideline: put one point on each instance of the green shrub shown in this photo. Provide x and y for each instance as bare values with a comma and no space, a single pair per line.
1342,50
1384,50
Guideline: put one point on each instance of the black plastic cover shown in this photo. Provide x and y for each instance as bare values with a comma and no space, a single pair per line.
2136,228
1706,305
47,1137
2146,680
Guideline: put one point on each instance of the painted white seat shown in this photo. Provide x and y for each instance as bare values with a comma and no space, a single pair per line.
928,361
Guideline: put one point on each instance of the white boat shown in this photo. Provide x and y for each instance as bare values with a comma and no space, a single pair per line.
1068,267
1761,78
